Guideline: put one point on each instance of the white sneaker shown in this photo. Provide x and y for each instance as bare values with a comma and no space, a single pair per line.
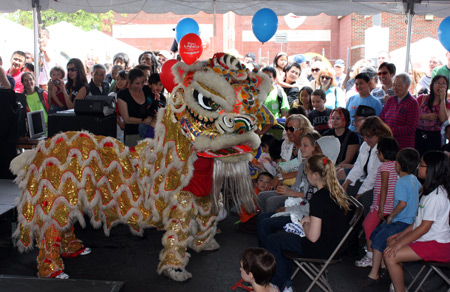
86,251
366,261
62,276
392,289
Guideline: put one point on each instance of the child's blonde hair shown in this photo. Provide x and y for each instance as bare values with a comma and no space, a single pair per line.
324,167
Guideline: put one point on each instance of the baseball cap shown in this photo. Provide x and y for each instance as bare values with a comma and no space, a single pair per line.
369,71
339,63
251,55
299,58
365,111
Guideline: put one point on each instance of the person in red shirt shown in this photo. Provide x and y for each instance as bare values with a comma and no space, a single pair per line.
15,71
247,222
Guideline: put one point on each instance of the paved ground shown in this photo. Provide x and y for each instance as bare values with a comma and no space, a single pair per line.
133,260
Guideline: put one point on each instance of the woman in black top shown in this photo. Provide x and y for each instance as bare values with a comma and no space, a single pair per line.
132,103
339,122
77,86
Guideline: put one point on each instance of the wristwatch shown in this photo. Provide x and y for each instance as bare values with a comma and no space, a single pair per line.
280,177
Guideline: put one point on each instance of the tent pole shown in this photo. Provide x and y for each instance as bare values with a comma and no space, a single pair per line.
215,28
410,14
36,39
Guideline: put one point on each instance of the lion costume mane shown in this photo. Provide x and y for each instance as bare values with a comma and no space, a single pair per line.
203,142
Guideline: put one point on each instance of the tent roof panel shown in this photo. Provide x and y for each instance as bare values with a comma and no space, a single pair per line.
243,7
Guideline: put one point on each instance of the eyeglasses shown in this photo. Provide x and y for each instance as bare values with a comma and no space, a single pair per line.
366,137
315,70
355,121
382,73
73,69
292,129
325,77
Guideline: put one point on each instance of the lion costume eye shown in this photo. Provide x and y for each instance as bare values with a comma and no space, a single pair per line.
205,102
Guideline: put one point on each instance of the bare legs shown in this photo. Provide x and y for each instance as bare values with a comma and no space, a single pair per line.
395,268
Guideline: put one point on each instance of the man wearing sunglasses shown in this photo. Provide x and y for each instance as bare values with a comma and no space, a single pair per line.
386,73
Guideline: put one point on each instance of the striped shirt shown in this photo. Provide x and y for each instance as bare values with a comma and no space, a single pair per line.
402,117
389,167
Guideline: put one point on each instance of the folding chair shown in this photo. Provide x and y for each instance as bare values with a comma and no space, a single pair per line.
432,266
316,269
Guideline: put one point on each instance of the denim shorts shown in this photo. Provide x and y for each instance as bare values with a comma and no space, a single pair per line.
382,233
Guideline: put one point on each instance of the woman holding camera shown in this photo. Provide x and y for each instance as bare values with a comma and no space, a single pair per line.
133,103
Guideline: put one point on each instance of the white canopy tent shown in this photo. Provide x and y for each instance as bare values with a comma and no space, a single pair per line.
439,8
93,42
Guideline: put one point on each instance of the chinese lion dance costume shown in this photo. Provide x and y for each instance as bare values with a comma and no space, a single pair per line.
203,142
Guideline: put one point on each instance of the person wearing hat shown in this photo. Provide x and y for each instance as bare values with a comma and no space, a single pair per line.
362,84
302,81
250,57
339,68
362,112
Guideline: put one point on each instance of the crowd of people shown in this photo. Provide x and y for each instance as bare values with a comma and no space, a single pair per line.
137,90
363,133
374,134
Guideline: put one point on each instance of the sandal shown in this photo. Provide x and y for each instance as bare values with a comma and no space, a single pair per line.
240,285
368,282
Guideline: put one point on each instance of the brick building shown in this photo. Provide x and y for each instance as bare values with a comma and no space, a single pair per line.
358,36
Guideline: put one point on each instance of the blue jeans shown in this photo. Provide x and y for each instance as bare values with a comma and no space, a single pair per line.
382,233
272,237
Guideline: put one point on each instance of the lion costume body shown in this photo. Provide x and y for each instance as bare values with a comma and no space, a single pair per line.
202,144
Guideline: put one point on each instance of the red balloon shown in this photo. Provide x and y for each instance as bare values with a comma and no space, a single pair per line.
190,48
166,76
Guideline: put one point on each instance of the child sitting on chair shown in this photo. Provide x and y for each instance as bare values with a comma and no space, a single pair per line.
406,201
257,268
383,194
428,238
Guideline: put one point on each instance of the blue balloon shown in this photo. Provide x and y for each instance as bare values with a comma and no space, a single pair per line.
185,26
444,33
264,24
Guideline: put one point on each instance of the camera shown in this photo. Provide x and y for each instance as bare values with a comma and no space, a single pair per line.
57,82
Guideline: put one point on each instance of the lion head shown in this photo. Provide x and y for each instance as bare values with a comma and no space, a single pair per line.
216,102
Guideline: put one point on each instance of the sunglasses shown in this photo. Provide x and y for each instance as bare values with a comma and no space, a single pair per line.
315,70
292,129
71,69
382,73
325,77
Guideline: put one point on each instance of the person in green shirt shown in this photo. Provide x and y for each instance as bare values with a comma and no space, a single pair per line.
36,98
444,69
276,101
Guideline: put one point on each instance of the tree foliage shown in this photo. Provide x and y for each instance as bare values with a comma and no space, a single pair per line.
85,21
